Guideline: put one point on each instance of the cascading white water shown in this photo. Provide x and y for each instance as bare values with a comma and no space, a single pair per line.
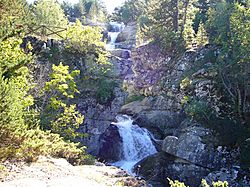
137,143
115,30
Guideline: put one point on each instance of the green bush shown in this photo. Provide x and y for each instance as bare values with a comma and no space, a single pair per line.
38,142
199,110
176,183
33,143
60,116
105,91
133,98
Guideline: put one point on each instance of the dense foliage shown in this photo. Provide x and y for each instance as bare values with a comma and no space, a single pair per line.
129,12
14,17
86,10
42,122
49,12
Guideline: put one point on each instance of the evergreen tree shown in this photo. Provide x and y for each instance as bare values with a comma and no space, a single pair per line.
201,36
14,18
50,13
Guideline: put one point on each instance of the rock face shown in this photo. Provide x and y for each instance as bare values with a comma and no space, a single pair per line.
121,67
127,38
148,68
189,156
161,116
160,123
110,143
98,117
157,168
196,145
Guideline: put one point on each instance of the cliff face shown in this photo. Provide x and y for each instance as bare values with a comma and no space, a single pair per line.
189,151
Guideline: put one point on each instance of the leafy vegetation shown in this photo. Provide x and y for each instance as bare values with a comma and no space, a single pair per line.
132,98
49,12
14,18
204,184
87,41
105,91
44,123
59,115
129,12
86,10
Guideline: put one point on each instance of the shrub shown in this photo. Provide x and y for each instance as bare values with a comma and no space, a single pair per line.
59,116
133,98
105,91
36,142
199,110
176,183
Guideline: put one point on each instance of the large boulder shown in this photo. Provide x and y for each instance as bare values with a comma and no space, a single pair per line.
196,145
157,114
110,144
160,123
187,155
128,34
121,53
157,168
134,108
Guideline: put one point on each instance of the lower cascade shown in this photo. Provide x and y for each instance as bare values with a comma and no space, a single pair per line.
136,144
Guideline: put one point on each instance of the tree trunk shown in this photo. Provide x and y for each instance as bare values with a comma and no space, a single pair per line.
186,3
175,15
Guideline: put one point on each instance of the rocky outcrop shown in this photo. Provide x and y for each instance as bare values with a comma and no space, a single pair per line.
234,175
189,156
157,168
195,144
148,69
110,145
121,67
160,123
127,38
121,53
161,116
58,172
97,117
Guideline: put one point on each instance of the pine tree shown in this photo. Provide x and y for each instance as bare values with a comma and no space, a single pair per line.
201,36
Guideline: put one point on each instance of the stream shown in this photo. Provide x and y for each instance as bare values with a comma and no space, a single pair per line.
136,141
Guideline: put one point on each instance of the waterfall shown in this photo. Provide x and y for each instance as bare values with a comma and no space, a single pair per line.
137,143
114,31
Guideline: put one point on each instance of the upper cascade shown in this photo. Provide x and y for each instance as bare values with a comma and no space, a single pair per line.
114,30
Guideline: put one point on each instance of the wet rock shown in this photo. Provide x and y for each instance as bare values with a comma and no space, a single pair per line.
122,53
110,144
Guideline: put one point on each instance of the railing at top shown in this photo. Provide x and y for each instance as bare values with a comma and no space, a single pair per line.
44,31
